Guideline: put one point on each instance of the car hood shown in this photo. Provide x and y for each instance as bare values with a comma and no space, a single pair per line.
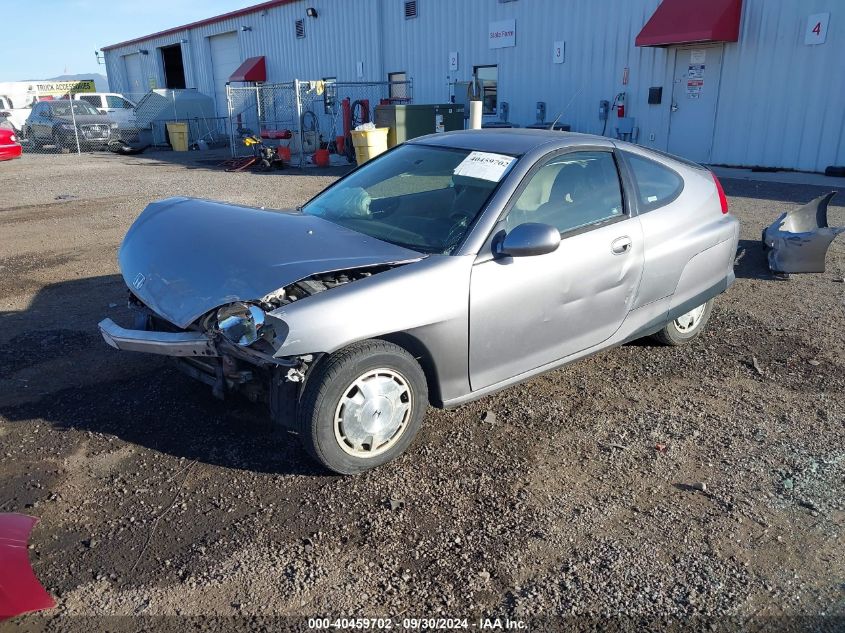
84,119
183,257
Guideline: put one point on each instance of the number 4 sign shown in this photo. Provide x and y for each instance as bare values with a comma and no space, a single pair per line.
816,32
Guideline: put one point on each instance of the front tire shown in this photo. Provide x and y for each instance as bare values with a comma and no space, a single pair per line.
686,327
362,406
29,134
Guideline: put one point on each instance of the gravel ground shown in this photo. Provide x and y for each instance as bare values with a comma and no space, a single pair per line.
644,486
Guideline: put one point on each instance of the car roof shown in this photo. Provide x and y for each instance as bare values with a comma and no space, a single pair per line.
509,140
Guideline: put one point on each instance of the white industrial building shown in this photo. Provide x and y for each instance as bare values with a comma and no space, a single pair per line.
733,82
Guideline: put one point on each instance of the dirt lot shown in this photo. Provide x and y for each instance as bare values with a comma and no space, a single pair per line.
580,501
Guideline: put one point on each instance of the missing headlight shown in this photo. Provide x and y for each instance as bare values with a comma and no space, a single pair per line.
240,323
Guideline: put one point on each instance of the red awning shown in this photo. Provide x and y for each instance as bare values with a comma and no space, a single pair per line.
253,69
692,21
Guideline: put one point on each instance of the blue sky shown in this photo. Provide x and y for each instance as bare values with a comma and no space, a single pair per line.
57,37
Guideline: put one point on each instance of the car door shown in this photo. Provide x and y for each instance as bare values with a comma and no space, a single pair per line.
118,109
526,312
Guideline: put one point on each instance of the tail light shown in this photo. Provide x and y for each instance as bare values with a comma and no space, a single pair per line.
723,199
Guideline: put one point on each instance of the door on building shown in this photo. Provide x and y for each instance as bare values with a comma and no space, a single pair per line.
695,93
134,76
174,69
225,59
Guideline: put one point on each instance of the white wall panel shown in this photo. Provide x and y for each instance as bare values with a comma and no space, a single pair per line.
780,101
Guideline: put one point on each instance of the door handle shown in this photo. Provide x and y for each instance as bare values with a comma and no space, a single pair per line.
621,245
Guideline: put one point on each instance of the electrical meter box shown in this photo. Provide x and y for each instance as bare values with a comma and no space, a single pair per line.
410,121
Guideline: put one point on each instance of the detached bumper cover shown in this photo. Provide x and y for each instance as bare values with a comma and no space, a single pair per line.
798,240
163,343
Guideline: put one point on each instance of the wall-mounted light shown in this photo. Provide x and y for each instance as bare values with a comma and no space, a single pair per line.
100,58
143,51
246,28
311,12
183,41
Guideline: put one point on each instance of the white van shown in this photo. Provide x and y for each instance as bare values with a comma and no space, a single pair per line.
120,109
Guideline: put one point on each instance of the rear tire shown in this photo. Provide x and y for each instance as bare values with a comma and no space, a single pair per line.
686,327
362,406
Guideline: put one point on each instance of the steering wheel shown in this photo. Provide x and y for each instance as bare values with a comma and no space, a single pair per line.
386,207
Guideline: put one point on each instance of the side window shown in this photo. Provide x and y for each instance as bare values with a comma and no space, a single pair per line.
657,185
115,102
571,191
398,88
92,99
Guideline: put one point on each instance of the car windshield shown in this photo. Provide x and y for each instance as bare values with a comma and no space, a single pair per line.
79,108
417,196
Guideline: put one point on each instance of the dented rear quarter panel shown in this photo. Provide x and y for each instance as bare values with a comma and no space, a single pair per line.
676,233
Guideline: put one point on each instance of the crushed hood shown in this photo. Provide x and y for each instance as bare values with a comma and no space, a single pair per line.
183,257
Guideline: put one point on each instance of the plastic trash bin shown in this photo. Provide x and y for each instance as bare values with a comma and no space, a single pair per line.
369,143
178,133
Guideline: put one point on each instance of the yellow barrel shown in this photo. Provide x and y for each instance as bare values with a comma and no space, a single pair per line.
369,143
178,136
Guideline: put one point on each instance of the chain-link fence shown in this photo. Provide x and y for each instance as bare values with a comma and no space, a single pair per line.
293,120
301,117
127,123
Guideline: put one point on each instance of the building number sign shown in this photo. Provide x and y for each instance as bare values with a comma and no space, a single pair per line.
559,52
816,32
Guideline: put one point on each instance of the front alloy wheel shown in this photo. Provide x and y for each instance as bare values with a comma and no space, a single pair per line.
362,406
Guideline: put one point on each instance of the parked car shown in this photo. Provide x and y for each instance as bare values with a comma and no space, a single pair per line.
53,123
446,269
9,146
119,109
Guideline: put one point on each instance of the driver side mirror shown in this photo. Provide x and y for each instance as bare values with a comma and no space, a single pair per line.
529,239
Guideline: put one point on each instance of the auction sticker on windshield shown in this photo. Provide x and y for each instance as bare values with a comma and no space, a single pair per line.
484,165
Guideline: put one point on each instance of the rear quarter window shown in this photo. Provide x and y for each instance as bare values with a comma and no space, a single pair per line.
657,185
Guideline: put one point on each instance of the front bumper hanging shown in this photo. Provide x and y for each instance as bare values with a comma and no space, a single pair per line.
151,342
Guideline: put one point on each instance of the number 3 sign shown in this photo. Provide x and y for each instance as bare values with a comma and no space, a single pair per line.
816,32
559,52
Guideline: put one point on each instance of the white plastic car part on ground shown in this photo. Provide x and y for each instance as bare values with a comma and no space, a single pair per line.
798,240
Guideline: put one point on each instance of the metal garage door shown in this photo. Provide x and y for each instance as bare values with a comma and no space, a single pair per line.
134,75
225,59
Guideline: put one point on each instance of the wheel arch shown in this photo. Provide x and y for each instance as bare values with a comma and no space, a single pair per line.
423,355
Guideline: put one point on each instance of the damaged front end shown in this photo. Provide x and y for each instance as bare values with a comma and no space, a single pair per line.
204,275
232,348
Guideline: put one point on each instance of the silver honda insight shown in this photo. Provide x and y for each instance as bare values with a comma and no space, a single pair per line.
448,268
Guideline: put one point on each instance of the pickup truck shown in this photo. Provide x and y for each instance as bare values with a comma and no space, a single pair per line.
15,116
120,109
